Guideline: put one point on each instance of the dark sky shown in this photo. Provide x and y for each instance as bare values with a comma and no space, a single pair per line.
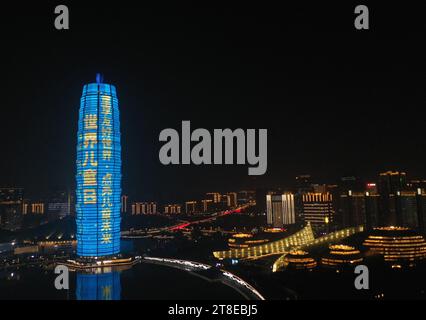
336,101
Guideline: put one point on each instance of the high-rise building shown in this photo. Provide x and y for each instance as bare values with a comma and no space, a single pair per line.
246,196
191,207
280,209
372,210
392,181
37,208
318,210
60,204
98,171
214,196
232,199
421,209
359,208
172,209
260,200
406,209
390,184
144,208
206,205
371,188
124,200
11,207
352,209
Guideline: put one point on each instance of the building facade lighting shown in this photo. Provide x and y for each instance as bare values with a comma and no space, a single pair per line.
98,172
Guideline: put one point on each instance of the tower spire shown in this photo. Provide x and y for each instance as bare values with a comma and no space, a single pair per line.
99,78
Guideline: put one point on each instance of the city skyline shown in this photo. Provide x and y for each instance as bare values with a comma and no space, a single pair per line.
212,153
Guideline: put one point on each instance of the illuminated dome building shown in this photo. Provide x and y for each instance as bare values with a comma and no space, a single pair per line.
299,260
397,245
341,255
245,240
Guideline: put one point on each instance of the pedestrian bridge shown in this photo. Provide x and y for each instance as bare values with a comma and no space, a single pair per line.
210,273
299,240
281,246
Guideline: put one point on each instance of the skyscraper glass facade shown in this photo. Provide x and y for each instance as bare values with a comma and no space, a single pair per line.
98,172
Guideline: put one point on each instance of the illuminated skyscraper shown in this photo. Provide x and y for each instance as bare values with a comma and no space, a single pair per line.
318,210
98,172
280,209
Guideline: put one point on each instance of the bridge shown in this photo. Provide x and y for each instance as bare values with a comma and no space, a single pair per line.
209,273
329,238
281,246
299,240
135,234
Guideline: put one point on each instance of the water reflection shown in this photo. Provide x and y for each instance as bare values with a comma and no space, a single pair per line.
103,285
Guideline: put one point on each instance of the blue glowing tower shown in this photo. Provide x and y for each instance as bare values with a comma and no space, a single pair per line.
98,286
98,171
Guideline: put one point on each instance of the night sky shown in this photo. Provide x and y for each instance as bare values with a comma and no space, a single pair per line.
336,101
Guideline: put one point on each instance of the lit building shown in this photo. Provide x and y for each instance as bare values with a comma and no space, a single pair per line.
320,188
124,200
173,209
397,245
214,196
299,260
421,209
58,205
390,183
372,210
232,199
191,207
246,196
280,209
318,210
98,172
353,209
406,209
371,188
246,240
11,207
144,208
399,205
206,205
341,255
418,184
37,208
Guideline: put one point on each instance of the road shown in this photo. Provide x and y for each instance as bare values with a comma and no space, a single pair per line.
210,273
134,234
